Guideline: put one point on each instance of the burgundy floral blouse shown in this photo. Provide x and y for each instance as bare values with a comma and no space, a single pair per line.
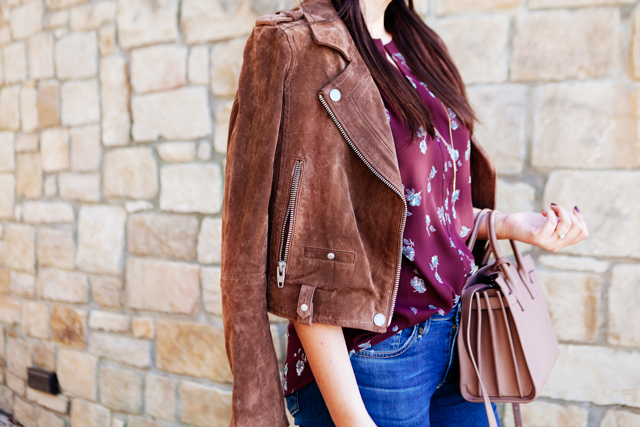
435,261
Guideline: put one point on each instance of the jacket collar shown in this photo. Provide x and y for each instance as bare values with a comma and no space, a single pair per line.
333,32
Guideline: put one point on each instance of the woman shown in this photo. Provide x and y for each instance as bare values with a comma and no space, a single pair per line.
351,183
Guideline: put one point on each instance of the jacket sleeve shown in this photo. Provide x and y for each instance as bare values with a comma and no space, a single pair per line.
252,138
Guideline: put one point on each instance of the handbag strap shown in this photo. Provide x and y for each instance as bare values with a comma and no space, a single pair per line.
476,227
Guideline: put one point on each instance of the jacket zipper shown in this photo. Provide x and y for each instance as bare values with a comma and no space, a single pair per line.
288,221
404,217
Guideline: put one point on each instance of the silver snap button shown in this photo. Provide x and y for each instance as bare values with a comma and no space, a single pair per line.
304,307
379,319
335,95
331,255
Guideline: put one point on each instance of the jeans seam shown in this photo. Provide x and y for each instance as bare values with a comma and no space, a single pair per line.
388,355
450,348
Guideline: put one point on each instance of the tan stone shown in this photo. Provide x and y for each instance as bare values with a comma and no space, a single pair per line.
152,234
196,350
545,414
85,148
116,118
564,262
18,357
16,385
131,173
40,49
49,103
107,290
205,21
603,210
191,188
43,354
514,197
117,422
29,175
26,20
137,421
20,247
7,156
80,102
226,62
76,55
143,327
597,123
9,114
160,397
130,351
177,152
29,109
121,389
64,286
110,322
85,414
7,195
178,114
27,142
55,248
37,212
35,319
624,318
165,286
9,310
198,66
204,406
6,398
92,16
548,4
58,403
56,19
54,149
50,185
80,187
157,68
100,239
462,6
204,150
223,115
107,40
211,293
15,63
25,413
590,44
23,284
617,418
61,4
69,326
141,22
47,419
5,282
77,373
138,206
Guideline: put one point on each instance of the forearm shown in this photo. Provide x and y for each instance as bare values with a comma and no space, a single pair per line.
328,357
482,231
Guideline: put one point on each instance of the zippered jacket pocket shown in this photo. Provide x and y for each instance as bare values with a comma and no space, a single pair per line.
287,225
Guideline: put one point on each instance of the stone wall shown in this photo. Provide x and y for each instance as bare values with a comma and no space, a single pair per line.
113,125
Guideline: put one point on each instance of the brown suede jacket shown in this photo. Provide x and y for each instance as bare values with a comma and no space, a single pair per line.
313,210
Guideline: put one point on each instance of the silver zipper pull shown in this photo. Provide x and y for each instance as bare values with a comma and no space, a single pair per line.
282,266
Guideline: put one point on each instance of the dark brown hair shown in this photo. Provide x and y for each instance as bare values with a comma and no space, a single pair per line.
425,54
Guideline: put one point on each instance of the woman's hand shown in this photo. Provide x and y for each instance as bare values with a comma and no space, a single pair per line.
544,229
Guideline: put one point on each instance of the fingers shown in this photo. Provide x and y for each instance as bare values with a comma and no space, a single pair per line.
584,232
569,224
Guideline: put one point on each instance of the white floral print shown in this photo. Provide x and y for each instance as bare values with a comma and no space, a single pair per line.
417,283
434,266
408,250
430,227
414,198
299,367
464,231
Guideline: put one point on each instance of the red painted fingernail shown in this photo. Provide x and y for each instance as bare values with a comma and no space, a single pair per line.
576,207
554,204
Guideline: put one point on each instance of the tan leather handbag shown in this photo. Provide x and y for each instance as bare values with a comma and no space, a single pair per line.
506,342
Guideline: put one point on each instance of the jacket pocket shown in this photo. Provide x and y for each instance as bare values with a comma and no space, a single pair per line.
287,225
330,255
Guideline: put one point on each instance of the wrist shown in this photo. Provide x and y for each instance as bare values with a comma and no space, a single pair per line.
502,231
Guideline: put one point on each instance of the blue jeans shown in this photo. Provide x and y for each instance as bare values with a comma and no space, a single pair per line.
409,380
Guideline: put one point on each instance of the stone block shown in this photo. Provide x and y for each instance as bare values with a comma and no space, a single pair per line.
77,372
92,16
125,350
564,262
110,322
16,385
101,239
107,290
26,19
142,23
76,55
49,103
549,4
545,414
206,21
160,397
143,327
19,247
64,286
14,56
18,357
191,188
223,115
192,349
226,62
165,286
54,149
48,419
35,319
86,151
177,152
204,150
116,118
198,66
58,403
203,406
80,102
600,375
178,114
27,142
5,289
168,235
604,210
107,40
29,109
50,185
618,418
29,175
56,19
85,414
444,7
9,310
79,187
130,173
43,354
158,68
7,195
61,4
69,326
40,48
55,248
25,413
121,388
596,122
138,206
211,293
624,318
47,212
9,114
7,153
6,398
590,45
23,284
137,421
